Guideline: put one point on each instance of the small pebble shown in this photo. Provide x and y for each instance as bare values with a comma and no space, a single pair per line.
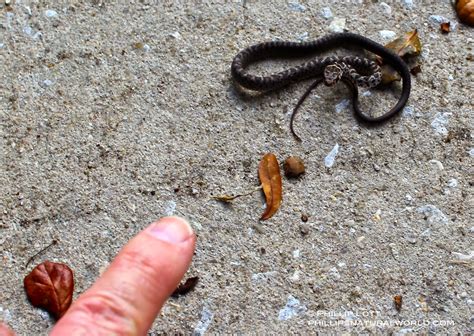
386,9
411,240
49,13
408,112
331,157
440,123
408,4
46,83
432,214
295,277
304,229
303,37
387,34
337,25
334,273
342,105
453,183
437,163
464,257
265,276
326,13
304,218
176,35
296,7
292,308
438,19
170,208
293,166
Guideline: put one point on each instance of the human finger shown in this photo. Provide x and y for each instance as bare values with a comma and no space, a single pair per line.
128,296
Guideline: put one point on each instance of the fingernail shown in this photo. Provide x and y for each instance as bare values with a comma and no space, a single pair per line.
171,229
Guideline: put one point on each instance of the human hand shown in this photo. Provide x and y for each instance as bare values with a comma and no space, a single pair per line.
129,295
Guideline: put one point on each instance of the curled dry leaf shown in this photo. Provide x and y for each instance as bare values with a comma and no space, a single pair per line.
397,301
445,27
50,286
269,174
465,10
407,45
185,288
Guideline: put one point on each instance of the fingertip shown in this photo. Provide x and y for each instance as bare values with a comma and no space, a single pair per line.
5,331
171,229
130,293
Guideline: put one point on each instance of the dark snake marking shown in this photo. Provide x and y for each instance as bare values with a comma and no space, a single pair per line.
325,69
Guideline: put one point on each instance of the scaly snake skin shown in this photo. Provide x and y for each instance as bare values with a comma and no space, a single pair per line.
327,69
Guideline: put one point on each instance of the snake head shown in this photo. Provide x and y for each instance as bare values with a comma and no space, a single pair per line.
332,74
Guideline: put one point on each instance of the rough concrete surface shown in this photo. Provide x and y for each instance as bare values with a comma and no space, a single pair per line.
115,113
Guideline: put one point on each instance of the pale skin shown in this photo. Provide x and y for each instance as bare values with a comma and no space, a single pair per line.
128,296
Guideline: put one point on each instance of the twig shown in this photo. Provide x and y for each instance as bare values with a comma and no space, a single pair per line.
54,242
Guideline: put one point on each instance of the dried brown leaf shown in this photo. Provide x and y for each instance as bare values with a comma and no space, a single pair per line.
407,45
465,10
445,27
185,288
397,301
50,286
270,177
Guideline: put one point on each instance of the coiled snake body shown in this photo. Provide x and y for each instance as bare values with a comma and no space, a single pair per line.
353,71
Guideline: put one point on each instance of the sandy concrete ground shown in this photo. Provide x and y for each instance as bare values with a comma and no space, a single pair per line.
115,114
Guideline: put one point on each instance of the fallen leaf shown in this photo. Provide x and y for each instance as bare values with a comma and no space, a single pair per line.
407,45
50,286
445,27
185,288
269,174
465,10
397,300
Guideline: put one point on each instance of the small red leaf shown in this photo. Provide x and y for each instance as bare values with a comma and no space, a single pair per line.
50,286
